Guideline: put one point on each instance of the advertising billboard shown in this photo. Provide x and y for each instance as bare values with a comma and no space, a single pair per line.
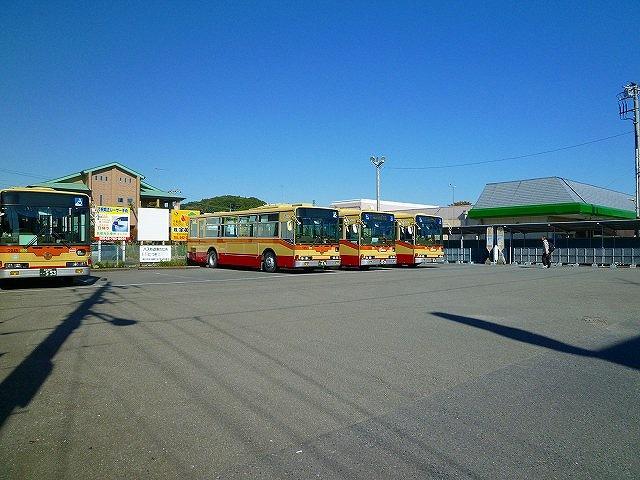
180,224
112,223
153,224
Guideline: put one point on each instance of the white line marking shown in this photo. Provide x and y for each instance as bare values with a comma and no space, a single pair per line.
100,284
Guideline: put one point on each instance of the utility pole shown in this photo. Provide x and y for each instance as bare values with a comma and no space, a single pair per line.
377,162
453,194
630,92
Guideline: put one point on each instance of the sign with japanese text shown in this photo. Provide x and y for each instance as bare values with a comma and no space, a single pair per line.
489,238
180,224
112,223
155,253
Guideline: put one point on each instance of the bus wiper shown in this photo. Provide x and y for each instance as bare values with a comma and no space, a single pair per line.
35,238
61,238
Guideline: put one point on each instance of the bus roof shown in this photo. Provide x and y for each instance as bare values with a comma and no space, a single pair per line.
405,215
41,190
356,211
269,208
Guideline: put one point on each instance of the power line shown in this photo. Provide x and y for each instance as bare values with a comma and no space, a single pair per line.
453,165
14,172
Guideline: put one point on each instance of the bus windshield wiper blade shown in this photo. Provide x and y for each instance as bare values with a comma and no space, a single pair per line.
61,238
35,238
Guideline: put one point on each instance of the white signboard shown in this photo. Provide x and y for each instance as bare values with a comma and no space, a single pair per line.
153,224
155,253
112,223
500,238
489,238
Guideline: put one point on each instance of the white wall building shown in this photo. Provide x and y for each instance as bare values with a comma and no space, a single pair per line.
385,205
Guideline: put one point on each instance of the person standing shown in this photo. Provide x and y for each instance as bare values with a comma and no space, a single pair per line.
546,253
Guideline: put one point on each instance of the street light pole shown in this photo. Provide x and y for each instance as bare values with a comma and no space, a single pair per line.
453,194
377,162
631,92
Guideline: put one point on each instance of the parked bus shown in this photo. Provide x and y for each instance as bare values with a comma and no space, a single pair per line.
44,233
268,237
367,238
418,239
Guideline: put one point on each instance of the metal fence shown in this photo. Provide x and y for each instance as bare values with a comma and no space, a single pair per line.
580,256
457,255
113,253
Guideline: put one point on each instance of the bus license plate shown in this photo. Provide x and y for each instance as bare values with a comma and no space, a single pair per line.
383,261
48,272
322,263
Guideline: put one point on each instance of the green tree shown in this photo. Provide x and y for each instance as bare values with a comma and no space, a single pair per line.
223,203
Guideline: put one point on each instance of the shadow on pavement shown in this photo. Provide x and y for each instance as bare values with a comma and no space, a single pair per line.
24,382
626,353
55,282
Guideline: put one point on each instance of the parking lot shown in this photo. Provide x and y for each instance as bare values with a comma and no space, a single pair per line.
451,371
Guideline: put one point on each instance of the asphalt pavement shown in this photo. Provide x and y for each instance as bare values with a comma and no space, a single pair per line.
450,371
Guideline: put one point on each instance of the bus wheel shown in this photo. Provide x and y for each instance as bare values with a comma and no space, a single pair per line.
212,259
269,263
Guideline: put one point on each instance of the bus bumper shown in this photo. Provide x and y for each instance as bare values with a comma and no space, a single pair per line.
377,261
44,272
316,263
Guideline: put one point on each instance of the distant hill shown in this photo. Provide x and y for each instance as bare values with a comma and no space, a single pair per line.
223,203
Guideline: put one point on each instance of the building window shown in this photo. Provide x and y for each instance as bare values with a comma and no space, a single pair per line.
120,200
101,199
95,177
101,177
105,178
130,201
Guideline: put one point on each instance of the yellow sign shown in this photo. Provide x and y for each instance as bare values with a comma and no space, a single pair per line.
180,224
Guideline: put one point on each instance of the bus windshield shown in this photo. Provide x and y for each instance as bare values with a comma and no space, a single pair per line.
377,229
36,218
428,230
317,225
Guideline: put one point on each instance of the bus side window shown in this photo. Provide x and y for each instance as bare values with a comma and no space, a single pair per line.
201,227
266,230
286,230
213,229
193,228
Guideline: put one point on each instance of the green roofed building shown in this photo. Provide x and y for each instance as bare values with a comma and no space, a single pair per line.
115,185
551,199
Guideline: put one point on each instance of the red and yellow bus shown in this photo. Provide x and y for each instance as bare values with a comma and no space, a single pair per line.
418,239
367,238
291,236
44,233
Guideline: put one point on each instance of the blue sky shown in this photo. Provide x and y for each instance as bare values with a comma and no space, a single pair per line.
287,101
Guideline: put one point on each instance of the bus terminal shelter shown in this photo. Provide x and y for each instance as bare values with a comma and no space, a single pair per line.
588,225
587,242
